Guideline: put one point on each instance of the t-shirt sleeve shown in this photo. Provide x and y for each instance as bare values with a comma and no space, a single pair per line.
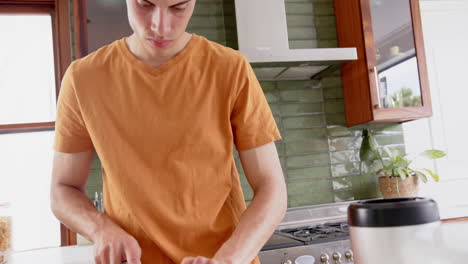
252,121
71,134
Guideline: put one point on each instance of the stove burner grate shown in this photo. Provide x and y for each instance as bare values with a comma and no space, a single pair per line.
315,233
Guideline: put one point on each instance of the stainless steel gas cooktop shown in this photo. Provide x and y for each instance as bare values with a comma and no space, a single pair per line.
318,231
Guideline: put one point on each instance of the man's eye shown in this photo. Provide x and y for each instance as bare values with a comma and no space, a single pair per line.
144,4
179,8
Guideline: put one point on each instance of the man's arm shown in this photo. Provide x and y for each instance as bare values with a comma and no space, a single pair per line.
74,209
264,174
68,199
263,171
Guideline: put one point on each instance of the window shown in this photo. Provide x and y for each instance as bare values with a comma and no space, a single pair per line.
34,54
27,86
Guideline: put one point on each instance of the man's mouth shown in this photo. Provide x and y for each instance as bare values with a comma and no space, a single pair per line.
160,43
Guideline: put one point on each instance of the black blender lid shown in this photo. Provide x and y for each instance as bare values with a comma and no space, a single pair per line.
393,212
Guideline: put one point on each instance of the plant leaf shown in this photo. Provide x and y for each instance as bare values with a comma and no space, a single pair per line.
399,159
401,173
400,162
433,175
366,153
407,172
360,171
433,154
421,175
370,149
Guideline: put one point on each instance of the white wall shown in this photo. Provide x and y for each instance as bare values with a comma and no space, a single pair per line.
445,32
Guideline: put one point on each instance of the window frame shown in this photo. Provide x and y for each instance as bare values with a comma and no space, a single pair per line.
59,12
61,26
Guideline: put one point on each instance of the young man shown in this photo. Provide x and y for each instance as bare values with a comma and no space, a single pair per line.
162,109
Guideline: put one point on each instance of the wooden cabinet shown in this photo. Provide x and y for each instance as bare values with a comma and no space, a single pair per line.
388,83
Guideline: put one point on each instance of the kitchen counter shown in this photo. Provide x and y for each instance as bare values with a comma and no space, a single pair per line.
59,255
83,254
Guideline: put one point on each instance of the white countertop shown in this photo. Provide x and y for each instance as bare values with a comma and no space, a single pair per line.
84,254
59,255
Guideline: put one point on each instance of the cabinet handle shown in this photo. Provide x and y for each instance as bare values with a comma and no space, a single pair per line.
377,86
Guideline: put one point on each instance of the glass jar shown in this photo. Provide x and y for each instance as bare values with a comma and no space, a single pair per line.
5,232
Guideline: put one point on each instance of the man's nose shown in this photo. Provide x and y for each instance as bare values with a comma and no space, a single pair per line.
160,22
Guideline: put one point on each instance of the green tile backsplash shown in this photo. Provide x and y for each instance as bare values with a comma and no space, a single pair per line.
318,153
311,24
94,183
300,193
215,20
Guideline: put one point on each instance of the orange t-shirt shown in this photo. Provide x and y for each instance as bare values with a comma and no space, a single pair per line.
165,140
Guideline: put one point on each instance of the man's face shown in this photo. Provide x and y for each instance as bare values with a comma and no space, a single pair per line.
158,24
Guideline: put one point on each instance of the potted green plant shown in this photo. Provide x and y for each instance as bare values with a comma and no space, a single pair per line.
396,177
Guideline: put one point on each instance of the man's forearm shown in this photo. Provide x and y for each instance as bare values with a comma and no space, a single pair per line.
74,209
256,225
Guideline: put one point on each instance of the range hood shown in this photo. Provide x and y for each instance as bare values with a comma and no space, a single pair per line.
262,34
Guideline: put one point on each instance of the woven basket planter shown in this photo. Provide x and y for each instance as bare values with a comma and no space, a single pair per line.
407,188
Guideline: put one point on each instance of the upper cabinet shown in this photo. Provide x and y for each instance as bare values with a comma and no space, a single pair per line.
388,83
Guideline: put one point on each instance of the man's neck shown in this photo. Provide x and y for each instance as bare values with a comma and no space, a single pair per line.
154,57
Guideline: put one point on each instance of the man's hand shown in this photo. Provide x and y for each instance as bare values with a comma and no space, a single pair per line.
72,207
202,260
112,245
